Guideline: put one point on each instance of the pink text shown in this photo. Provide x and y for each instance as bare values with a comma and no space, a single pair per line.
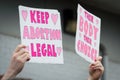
89,16
38,50
86,50
87,28
41,33
39,17
87,39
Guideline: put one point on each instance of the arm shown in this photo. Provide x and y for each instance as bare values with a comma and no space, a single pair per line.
19,57
96,69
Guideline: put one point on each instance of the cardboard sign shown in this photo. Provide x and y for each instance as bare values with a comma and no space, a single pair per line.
41,33
87,35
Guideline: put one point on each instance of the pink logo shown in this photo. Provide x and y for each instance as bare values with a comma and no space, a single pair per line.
59,50
54,18
24,14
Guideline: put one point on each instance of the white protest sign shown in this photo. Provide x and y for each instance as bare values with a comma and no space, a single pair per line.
41,33
87,34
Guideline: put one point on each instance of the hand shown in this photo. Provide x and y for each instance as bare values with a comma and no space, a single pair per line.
96,69
19,57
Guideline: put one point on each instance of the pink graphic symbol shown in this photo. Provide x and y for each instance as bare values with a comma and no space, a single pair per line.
54,18
24,14
59,50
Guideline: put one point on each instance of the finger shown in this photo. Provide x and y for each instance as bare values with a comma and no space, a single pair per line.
22,51
21,59
96,66
99,58
90,66
100,68
26,57
97,63
19,47
93,65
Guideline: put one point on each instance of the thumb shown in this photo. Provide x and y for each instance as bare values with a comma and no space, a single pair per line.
99,58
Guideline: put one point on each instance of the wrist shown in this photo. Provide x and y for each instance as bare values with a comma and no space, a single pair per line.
8,75
91,78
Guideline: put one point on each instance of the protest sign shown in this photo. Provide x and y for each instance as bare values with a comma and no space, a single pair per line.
87,34
41,32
